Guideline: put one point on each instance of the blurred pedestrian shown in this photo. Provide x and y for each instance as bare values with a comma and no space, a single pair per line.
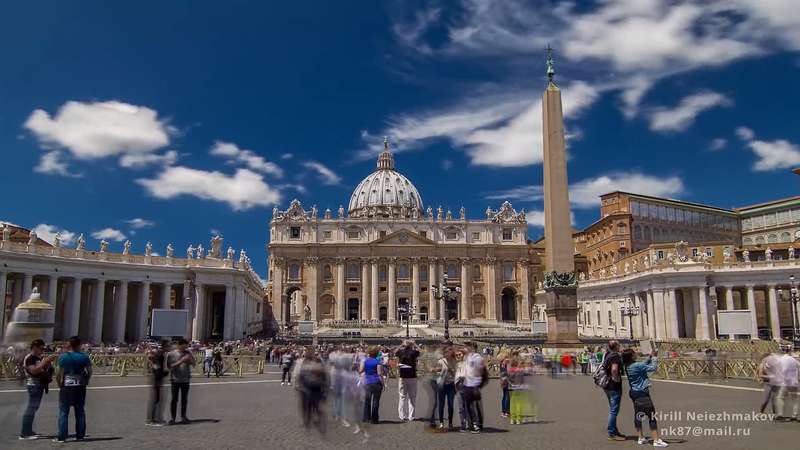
371,371
180,362
158,371
407,357
38,375
312,383
73,375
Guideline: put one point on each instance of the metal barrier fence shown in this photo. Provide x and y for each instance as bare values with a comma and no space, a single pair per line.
692,345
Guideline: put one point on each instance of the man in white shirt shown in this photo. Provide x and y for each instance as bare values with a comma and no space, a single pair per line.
475,377
789,370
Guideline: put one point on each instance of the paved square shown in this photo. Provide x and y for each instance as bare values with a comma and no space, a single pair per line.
256,412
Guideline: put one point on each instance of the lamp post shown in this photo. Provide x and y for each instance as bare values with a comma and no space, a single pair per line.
628,309
793,300
444,293
409,311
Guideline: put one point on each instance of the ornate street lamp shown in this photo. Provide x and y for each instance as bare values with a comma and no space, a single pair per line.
793,300
628,309
409,311
444,293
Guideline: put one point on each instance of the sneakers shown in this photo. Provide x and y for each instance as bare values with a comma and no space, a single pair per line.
282,383
31,437
59,441
475,430
616,437
154,424
345,423
660,443
441,426
289,383
642,441
171,422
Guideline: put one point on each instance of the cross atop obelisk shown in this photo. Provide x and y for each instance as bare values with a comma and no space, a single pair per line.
559,278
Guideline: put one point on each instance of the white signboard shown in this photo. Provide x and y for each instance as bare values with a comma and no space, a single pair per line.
305,327
538,327
169,322
734,322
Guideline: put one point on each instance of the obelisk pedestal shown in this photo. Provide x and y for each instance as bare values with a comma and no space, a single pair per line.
560,283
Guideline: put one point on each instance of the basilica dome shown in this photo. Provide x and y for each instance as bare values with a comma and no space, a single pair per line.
385,192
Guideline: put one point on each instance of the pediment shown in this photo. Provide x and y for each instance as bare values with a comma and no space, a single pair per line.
403,237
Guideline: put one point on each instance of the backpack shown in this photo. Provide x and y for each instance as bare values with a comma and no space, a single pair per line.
601,376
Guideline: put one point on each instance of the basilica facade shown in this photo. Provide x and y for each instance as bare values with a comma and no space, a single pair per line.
380,257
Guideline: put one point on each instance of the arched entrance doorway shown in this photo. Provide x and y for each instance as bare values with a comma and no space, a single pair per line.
508,305
382,313
352,309
291,306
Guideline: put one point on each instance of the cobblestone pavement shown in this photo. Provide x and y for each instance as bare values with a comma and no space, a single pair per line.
256,412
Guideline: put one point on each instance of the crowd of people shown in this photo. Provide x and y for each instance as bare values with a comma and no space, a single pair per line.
355,377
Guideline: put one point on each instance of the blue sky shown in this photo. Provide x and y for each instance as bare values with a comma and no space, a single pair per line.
162,121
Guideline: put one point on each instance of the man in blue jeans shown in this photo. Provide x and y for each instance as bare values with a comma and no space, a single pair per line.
612,362
74,372
38,373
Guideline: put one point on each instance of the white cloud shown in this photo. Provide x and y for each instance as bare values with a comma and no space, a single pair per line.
779,154
718,144
242,190
109,233
214,231
683,115
745,134
327,176
631,44
495,130
586,193
48,233
535,218
247,157
100,129
138,222
50,163
287,156
138,160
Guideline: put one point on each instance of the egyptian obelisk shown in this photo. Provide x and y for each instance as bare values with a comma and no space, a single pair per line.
560,283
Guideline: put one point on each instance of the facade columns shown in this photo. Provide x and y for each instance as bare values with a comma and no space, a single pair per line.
96,316
705,329
729,298
658,310
433,279
198,330
72,309
374,305
465,288
120,310
774,315
364,289
52,296
143,308
311,278
341,301
391,310
228,331
651,314
491,289
526,292
751,304
277,291
415,285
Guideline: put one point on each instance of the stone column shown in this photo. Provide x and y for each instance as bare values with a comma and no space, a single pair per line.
705,329
228,331
311,279
198,331
364,289
672,312
658,304
16,296
651,314
729,298
166,294
774,316
391,313
522,277
463,313
3,280
120,310
751,304
373,315
72,309
491,289
143,307
27,287
96,316
415,284
52,297
433,279
277,291
341,293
